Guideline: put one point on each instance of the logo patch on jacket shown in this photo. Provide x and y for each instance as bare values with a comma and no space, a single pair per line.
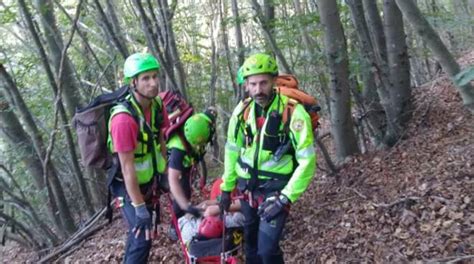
298,125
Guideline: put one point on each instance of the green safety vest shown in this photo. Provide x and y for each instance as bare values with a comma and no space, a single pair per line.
148,146
176,142
296,167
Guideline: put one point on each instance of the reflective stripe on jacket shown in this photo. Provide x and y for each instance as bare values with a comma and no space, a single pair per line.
147,142
298,166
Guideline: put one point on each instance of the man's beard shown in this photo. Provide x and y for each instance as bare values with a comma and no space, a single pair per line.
263,99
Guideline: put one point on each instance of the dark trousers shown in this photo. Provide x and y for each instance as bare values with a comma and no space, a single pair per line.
261,238
137,249
186,185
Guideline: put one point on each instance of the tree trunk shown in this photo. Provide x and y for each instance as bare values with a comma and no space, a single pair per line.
271,40
371,101
238,33
88,49
18,199
63,208
152,43
71,94
12,131
399,68
176,62
64,85
212,85
269,14
240,93
115,26
431,38
377,36
336,52
312,50
225,42
112,36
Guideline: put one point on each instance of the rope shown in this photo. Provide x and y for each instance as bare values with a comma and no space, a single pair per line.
178,231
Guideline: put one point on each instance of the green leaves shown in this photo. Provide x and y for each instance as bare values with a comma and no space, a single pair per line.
464,77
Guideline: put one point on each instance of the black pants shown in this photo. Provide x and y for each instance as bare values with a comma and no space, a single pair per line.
186,185
262,239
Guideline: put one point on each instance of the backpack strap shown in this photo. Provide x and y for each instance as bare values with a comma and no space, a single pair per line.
243,115
158,123
288,111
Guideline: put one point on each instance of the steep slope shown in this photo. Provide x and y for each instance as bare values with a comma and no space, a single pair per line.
406,204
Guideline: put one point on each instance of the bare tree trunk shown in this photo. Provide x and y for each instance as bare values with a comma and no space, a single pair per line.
225,42
152,38
377,36
312,49
240,93
63,207
113,36
12,131
431,38
269,14
87,46
371,101
238,32
271,40
173,48
214,75
399,68
19,200
71,94
342,126
214,57
61,62
115,26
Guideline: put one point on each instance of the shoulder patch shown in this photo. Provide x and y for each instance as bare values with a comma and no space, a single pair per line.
297,125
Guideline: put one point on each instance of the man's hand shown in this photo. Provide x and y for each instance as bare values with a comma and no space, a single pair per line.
142,221
224,203
196,212
273,206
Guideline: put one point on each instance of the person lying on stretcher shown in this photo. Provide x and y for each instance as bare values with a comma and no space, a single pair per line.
210,225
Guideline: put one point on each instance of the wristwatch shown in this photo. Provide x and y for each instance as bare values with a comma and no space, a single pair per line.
283,199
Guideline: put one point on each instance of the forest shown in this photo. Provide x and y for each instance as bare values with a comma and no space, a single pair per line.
393,79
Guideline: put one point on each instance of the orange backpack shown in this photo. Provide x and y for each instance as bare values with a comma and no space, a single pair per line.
287,84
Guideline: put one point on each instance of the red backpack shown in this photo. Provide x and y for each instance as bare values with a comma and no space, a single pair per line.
178,111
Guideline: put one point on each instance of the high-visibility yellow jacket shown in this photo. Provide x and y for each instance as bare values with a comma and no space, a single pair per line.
148,141
242,158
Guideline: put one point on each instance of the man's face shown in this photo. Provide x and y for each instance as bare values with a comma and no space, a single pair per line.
260,88
147,83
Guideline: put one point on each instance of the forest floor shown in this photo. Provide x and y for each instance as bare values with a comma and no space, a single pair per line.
410,203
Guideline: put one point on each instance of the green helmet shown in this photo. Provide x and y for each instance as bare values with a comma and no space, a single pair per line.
258,64
138,63
198,129
240,77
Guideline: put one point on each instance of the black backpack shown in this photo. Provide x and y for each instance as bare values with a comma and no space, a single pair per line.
91,125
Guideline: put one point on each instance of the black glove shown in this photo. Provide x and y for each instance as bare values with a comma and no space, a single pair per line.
273,206
196,212
224,203
142,220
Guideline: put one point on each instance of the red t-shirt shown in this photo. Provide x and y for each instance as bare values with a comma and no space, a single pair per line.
124,130
216,190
